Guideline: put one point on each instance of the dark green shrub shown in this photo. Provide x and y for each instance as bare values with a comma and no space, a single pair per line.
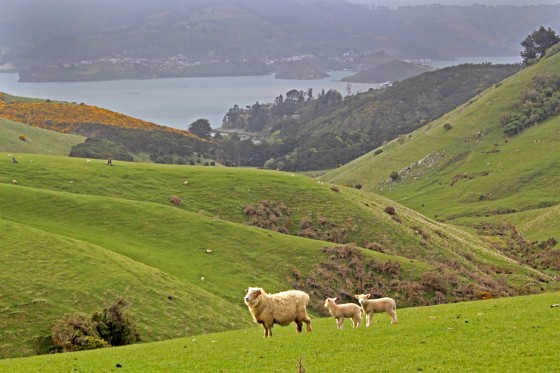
447,126
115,325
394,175
378,151
390,210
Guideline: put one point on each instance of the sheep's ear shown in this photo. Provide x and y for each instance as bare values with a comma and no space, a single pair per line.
356,296
368,295
335,298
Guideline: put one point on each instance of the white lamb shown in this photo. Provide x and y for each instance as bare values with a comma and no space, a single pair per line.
342,311
370,306
281,308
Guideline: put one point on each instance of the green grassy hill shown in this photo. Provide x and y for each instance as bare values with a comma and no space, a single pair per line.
45,275
473,172
90,232
486,336
37,140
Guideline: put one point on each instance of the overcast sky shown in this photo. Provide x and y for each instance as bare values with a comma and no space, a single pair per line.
397,3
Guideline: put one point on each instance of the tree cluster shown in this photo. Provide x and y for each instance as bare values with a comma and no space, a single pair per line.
537,43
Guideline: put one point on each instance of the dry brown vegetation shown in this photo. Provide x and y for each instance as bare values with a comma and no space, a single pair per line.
506,239
347,270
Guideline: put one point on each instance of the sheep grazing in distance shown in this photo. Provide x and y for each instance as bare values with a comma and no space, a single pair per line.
280,308
370,306
209,251
342,311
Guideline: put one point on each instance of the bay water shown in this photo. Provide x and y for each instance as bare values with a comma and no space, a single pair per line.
177,102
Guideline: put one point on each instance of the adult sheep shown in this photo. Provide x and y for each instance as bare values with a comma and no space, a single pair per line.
370,306
342,311
280,308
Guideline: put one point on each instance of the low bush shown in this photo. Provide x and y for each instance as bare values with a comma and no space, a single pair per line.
175,200
113,326
390,210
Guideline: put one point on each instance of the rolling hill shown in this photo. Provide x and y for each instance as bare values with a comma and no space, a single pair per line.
84,225
463,169
110,134
77,233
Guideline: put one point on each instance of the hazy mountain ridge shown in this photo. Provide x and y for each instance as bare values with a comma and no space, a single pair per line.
255,31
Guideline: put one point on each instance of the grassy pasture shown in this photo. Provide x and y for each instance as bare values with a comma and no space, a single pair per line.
517,334
109,231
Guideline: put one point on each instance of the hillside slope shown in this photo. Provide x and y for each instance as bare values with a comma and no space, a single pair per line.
45,276
111,134
37,140
122,216
473,172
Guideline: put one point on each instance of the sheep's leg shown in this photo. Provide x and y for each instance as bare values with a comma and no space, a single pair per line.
356,321
307,320
267,329
299,325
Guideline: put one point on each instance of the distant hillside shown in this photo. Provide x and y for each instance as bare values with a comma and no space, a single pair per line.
147,39
389,71
463,168
110,227
17,137
322,130
124,137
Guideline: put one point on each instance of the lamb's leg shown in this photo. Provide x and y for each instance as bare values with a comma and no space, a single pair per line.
368,319
340,323
394,319
356,321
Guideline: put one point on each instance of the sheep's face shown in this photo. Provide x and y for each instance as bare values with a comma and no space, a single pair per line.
362,297
252,295
329,301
